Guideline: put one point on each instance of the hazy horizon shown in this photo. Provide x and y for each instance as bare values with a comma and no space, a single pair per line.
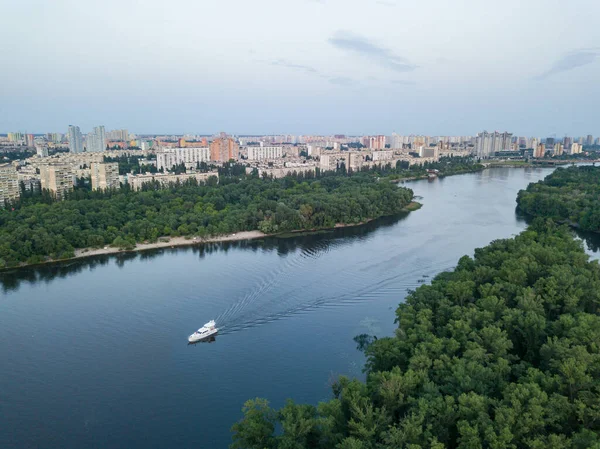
302,67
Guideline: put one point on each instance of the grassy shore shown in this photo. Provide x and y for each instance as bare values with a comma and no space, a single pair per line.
412,206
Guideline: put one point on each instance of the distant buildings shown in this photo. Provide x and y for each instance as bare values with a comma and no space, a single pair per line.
558,149
377,142
429,152
118,134
487,144
41,150
264,152
137,181
57,178
9,184
96,140
30,140
539,151
167,158
575,148
15,137
75,139
383,155
54,137
223,149
105,176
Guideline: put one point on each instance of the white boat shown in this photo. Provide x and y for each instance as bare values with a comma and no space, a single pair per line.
205,331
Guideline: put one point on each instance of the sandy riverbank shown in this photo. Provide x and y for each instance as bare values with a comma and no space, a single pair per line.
171,242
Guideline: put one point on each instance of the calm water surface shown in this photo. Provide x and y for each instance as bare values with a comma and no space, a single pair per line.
94,353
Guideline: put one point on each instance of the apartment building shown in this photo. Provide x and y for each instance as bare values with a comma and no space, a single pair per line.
168,157
57,178
257,153
105,176
9,184
137,181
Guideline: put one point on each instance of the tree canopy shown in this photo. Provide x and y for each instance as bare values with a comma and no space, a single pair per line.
36,230
503,352
569,195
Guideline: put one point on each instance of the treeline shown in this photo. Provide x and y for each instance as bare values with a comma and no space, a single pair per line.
446,166
131,164
35,231
566,195
503,352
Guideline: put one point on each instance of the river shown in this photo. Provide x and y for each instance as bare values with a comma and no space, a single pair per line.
94,352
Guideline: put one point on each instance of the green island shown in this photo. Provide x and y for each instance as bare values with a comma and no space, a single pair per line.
568,195
503,352
39,229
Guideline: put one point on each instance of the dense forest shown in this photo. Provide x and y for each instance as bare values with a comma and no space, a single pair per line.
40,228
503,352
569,195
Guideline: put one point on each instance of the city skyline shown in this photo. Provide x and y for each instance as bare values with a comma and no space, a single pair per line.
433,68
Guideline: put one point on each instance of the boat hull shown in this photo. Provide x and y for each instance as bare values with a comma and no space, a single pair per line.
194,338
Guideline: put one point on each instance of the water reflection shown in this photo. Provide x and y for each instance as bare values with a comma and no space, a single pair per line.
284,244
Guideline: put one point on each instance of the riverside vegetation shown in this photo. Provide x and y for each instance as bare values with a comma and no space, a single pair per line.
37,228
570,195
503,352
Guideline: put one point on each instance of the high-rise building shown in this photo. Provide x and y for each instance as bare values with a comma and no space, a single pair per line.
377,142
105,176
558,149
589,140
539,151
57,178
223,149
568,141
54,137
396,141
575,148
96,140
15,137
118,134
487,144
30,140
165,159
9,184
75,139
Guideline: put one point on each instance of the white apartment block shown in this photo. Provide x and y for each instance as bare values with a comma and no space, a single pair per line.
386,155
168,157
137,181
9,184
263,152
105,176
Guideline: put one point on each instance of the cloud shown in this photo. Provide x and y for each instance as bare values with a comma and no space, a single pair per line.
354,43
291,65
343,81
403,82
385,3
570,61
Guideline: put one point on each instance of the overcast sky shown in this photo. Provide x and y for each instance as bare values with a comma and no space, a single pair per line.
531,67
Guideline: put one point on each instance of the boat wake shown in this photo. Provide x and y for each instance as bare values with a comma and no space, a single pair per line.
282,294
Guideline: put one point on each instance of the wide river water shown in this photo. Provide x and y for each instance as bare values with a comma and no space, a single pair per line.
94,352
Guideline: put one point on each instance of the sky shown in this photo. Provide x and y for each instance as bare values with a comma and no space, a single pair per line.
435,67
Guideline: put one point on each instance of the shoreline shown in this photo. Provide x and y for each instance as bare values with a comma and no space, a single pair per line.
172,242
